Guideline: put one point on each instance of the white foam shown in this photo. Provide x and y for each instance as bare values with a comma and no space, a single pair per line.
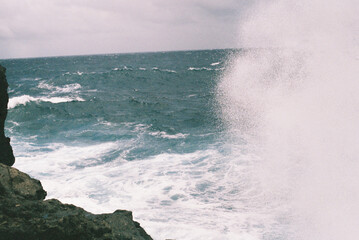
68,88
169,70
174,196
215,63
163,134
14,123
24,99
163,70
124,68
199,69
60,157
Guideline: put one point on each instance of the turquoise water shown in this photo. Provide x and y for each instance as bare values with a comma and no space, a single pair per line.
142,132
162,102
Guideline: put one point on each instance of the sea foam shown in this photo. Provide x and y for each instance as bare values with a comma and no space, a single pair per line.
24,99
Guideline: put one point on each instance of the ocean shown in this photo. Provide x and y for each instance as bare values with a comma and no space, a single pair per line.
140,131
259,143
246,144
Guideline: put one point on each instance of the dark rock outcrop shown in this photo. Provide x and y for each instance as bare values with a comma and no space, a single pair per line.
25,215
6,153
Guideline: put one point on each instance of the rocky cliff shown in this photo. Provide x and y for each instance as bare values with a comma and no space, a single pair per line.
6,154
25,215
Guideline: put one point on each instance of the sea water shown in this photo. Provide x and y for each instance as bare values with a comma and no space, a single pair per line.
141,132
256,143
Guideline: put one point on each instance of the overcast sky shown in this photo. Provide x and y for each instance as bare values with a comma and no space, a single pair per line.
32,28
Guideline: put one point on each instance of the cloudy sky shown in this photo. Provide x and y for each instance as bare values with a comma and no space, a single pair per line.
32,28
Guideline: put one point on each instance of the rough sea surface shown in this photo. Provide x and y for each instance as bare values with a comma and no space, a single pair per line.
141,132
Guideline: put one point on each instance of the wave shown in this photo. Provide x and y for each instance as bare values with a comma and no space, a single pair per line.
200,69
30,79
205,68
24,99
163,70
169,70
56,89
124,68
163,134
78,73
169,193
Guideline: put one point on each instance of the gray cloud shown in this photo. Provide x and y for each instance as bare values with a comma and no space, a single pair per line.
69,27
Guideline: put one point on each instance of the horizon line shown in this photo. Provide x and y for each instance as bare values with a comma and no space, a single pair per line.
118,53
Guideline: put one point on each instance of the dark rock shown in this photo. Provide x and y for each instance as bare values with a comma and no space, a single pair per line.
19,184
24,215
6,153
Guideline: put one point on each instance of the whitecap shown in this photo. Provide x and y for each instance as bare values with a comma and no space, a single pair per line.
56,89
124,68
199,69
127,68
215,63
45,85
169,70
24,99
163,134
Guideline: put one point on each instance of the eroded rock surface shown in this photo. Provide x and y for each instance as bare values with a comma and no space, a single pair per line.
25,215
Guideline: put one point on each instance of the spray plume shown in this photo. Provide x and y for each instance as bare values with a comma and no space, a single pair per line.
292,94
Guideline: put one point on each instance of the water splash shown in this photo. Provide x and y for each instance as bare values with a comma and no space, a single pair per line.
292,96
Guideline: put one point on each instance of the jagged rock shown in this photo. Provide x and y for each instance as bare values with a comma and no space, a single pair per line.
19,184
24,215
6,153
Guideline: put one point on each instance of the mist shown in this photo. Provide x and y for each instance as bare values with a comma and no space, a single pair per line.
292,97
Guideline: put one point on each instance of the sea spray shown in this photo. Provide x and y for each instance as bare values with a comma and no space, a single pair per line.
292,97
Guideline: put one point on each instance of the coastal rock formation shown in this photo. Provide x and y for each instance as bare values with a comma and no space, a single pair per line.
6,153
25,215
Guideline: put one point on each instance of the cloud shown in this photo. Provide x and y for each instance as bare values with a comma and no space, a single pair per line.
64,27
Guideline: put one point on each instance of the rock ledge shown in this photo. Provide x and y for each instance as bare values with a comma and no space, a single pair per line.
24,214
